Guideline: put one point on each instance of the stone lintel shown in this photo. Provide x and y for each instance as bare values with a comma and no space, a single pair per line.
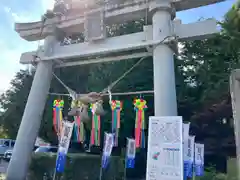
192,31
75,23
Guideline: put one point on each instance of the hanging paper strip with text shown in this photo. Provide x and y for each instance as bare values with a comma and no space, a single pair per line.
189,157
107,149
64,145
131,152
199,159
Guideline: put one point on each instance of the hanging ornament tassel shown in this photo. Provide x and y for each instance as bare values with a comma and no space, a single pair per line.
79,129
54,118
58,116
95,132
140,106
75,132
116,107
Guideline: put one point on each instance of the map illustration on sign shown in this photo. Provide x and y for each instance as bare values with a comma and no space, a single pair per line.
165,148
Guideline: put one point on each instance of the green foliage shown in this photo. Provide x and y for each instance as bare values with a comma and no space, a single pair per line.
13,103
211,174
88,167
81,166
3,134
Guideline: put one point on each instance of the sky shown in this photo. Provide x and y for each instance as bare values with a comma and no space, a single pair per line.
11,45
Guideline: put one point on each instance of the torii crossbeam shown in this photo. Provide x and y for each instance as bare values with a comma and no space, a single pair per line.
158,40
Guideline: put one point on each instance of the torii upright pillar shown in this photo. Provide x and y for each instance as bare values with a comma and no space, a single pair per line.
31,120
165,101
234,82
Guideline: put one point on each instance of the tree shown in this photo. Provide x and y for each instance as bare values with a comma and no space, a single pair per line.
13,103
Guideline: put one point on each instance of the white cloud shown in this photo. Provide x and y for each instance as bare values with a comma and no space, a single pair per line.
10,54
47,4
20,17
7,9
9,65
10,62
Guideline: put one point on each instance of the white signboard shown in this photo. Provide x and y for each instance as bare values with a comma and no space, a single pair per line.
189,149
65,137
165,148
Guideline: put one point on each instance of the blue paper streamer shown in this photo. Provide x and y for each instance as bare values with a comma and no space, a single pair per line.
185,170
130,163
60,164
199,169
114,137
105,161
188,169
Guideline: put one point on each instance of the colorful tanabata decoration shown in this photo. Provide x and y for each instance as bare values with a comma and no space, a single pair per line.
116,107
58,116
79,135
78,129
140,107
96,126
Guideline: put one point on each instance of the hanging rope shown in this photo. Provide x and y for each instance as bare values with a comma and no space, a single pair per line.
113,94
113,84
72,93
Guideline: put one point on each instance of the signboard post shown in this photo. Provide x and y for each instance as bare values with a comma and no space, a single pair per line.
165,148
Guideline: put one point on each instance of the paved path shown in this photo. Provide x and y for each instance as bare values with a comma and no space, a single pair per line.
3,166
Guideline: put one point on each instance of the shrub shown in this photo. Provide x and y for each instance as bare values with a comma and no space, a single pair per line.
77,165
86,166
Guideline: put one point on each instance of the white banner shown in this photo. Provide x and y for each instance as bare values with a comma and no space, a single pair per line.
165,151
131,148
108,144
199,154
199,159
186,127
185,136
65,137
189,149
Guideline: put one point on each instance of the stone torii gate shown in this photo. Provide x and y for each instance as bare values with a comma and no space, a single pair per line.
158,40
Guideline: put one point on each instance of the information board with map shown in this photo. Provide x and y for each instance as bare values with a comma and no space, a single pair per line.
165,149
